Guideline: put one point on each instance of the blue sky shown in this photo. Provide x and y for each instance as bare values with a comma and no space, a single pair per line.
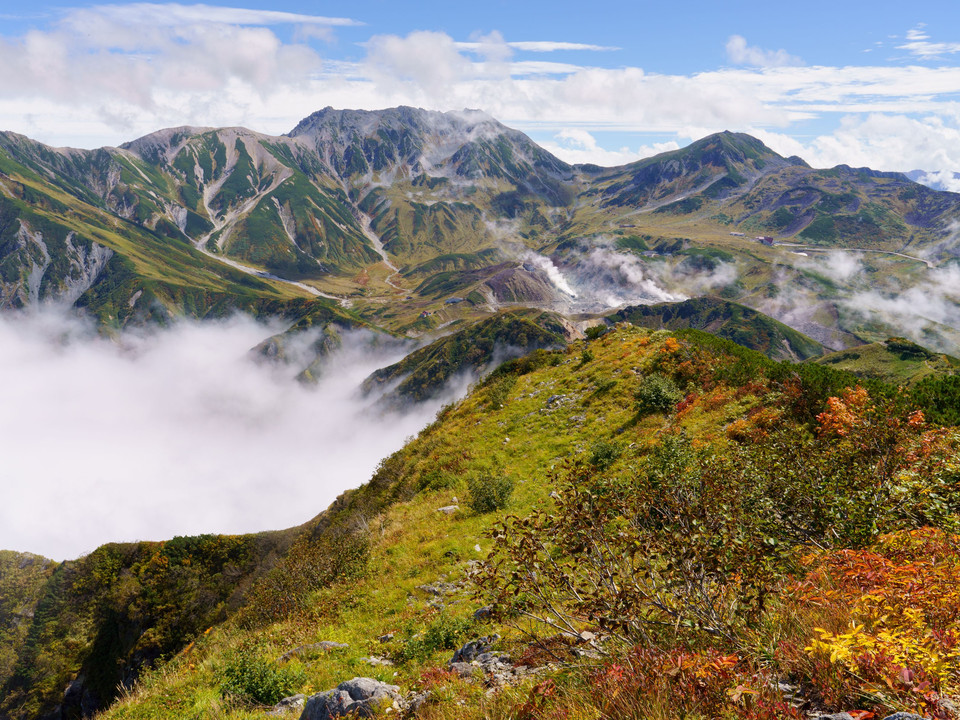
864,83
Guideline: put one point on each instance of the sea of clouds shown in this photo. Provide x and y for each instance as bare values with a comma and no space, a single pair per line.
178,431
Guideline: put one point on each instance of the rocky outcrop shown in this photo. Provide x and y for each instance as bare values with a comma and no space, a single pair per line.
476,660
56,267
359,697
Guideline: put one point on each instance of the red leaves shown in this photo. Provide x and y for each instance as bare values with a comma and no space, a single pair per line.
842,415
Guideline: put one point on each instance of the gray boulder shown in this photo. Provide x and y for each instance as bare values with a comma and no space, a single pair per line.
484,613
414,701
376,660
904,716
288,704
464,669
360,697
470,651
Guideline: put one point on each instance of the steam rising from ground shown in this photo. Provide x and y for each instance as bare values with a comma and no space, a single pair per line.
838,265
613,279
173,433
922,311
595,276
552,272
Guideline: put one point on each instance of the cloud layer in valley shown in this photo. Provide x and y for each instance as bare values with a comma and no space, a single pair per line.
172,433
923,311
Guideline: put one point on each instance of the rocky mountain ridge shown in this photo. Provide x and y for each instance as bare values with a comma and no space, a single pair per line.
381,208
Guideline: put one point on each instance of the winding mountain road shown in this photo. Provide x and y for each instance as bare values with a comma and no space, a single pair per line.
928,263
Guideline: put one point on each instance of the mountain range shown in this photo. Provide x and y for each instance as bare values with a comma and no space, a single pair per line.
406,220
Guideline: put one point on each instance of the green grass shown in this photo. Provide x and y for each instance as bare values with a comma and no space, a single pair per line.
896,361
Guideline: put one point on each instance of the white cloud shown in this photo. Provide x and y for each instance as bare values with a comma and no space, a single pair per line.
739,53
428,60
928,311
837,265
178,432
107,74
100,56
578,146
941,180
879,141
542,67
918,44
543,46
550,46
176,14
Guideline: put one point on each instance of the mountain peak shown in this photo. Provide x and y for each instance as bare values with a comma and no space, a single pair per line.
367,122
463,143
718,165
735,145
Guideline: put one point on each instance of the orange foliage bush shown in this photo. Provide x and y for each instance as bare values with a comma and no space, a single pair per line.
843,414
707,684
903,598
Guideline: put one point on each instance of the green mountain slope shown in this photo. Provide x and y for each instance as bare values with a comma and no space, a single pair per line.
897,361
22,579
57,248
712,168
95,623
728,320
466,354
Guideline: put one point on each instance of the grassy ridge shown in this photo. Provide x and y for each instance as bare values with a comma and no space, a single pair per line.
729,320
425,373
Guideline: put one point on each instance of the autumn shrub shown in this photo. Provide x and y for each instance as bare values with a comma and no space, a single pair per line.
689,683
657,393
902,643
649,682
676,548
694,541
488,492
248,677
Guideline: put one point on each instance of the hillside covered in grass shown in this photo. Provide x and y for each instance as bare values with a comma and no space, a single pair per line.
729,320
896,360
647,524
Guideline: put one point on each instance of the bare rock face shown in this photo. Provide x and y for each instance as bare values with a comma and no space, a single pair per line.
359,697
